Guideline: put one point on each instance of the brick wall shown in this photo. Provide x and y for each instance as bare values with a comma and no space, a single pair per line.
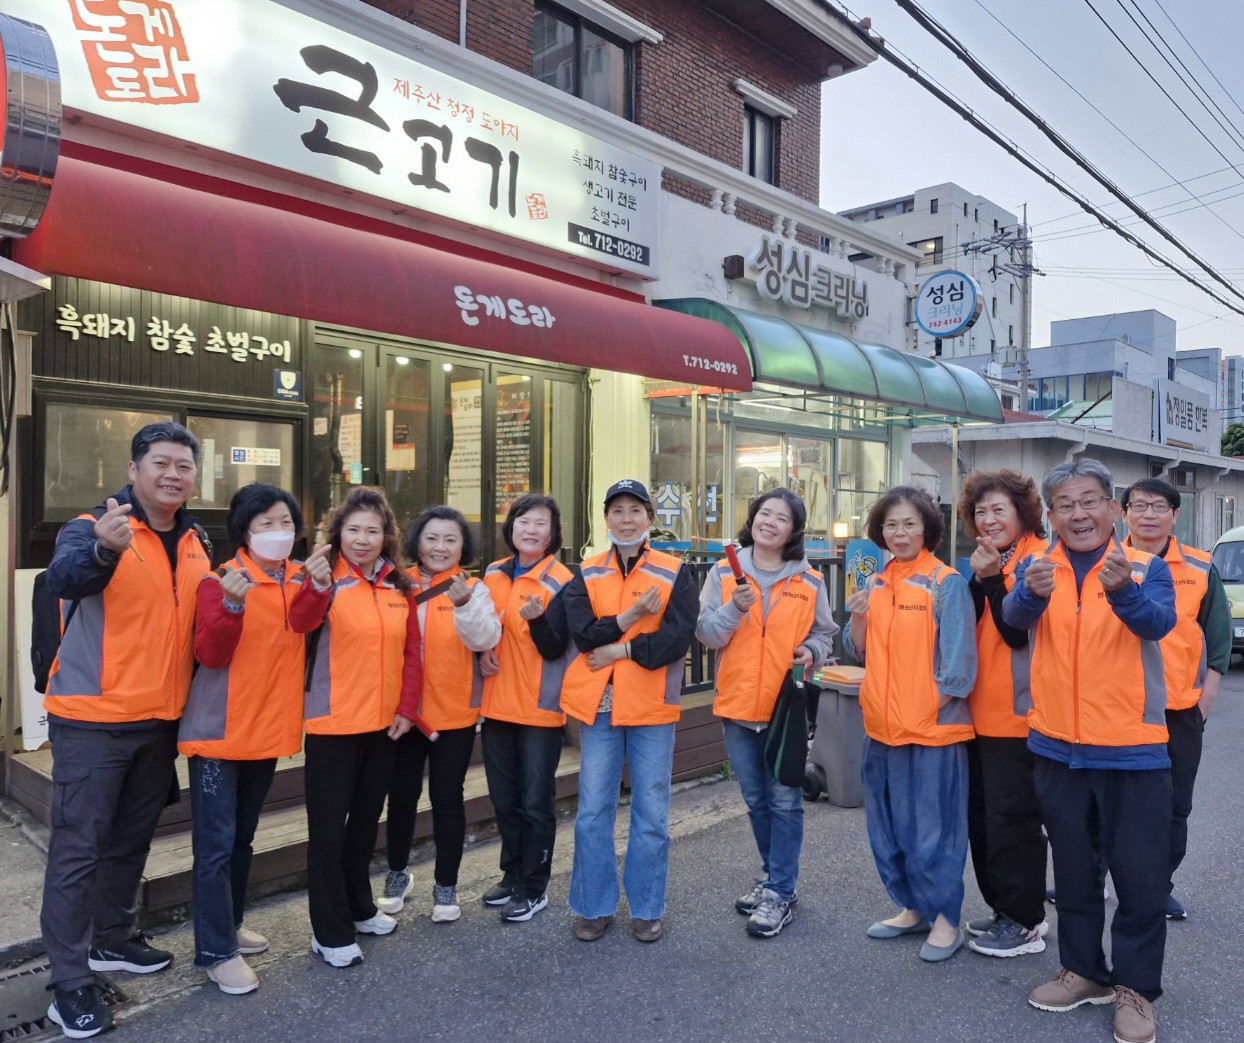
685,90
684,83
497,29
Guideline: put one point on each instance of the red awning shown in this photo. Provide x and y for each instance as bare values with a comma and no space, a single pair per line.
119,226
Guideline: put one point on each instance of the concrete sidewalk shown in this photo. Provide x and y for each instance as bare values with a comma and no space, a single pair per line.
821,979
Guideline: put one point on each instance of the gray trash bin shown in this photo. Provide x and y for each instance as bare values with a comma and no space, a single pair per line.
835,760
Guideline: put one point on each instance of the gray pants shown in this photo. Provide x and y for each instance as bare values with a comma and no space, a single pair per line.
109,788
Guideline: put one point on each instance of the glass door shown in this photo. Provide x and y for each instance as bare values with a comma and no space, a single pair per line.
462,440
406,449
342,446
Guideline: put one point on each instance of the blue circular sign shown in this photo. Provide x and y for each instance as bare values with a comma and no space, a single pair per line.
948,304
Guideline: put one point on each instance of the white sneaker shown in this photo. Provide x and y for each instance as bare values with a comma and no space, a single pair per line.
397,885
445,908
341,956
381,923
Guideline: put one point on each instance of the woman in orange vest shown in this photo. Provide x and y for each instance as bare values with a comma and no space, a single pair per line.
456,620
631,613
244,711
1001,511
365,684
778,615
522,729
914,631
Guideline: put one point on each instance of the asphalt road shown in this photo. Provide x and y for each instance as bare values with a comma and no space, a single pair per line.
821,979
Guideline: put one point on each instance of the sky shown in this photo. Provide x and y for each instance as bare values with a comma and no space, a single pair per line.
883,136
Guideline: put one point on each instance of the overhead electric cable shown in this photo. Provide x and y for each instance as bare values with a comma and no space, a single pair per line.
1235,132
1197,53
947,40
1132,141
1195,126
953,103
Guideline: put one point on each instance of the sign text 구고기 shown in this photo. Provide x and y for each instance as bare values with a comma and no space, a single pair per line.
255,79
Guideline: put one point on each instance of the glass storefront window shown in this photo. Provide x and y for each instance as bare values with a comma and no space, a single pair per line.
514,460
861,478
87,448
758,467
672,481
463,438
407,442
808,474
238,451
337,439
560,473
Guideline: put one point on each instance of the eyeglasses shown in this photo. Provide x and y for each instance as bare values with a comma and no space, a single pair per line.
1086,503
1145,506
910,526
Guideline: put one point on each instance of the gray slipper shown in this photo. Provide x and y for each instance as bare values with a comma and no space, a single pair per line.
882,930
937,953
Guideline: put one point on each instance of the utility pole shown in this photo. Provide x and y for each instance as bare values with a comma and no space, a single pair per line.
1018,245
1025,311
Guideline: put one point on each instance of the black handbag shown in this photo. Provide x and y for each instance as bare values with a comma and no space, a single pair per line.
786,742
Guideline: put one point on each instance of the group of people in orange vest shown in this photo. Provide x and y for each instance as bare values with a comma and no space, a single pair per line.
1059,691
1045,692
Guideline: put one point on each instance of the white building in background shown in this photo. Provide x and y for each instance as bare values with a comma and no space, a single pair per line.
937,221
1232,400
1112,387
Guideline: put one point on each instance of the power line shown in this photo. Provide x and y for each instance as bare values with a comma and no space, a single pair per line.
1195,126
944,37
1135,144
928,84
1146,192
1197,53
1170,210
1239,136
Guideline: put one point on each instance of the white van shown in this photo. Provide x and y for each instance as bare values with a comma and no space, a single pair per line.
1228,556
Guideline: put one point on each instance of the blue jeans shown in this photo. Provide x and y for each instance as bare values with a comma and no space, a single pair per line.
776,811
649,752
225,800
916,806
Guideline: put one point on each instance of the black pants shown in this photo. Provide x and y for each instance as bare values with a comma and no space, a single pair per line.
1187,730
447,760
108,789
347,777
1004,828
1121,821
520,761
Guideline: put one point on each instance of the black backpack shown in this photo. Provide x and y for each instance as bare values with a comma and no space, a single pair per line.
46,631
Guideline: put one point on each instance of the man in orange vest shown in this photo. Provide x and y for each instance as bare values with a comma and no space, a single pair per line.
1197,651
114,696
1096,611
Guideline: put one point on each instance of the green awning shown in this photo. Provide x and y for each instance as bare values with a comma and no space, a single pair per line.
797,356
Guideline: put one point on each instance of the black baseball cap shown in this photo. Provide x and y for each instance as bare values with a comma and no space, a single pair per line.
628,487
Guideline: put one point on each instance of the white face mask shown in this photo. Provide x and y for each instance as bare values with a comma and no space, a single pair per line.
626,546
274,546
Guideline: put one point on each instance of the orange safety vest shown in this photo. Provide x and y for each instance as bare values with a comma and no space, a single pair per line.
1183,649
899,695
129,652
1002,695
752,667
251,709
1093,680
639,696
527,688
356,682
452,683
